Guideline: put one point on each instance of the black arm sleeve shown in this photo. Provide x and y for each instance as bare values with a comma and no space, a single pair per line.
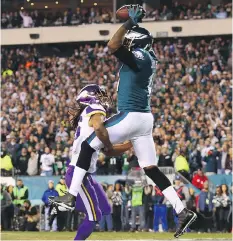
127,57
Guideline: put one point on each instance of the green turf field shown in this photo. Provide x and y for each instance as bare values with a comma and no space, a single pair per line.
109,236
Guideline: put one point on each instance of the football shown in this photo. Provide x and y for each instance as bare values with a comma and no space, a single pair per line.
122,13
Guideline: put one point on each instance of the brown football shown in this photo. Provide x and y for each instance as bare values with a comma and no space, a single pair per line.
122,13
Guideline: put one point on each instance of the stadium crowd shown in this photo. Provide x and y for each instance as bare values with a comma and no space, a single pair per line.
191,104
96,15
134,207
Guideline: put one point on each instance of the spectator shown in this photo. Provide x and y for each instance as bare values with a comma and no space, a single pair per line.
181,190
22,162
12,147
10,189
16,21
222,160
165,158
116,206
191,205
49,192
160,210
211,162
181,165
221,14
7,210
126,197
59,165
62,133
125,167
137,207
4,20
30,215
217,201
102,165
205,208
61,188
6,163
228,167
47,160
27,20
184,120
199,179
226,203
20,193
148,206
33,163
107,219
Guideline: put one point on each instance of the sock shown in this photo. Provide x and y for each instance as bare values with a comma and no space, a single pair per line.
77,180
173,198
85,230
165,186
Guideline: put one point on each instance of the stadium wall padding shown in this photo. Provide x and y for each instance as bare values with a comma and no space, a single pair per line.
91,32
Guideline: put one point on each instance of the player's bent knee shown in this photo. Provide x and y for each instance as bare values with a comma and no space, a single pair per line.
149,167
84,159
157,177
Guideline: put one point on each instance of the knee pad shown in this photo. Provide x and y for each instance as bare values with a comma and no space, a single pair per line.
158,177
84,159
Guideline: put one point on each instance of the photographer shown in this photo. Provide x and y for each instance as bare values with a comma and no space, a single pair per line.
30,217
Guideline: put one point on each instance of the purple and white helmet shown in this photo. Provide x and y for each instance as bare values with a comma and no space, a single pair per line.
93,94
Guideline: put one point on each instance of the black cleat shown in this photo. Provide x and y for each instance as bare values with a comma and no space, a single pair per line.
64,203
185,219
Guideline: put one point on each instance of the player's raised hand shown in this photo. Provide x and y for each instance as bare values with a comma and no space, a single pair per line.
136,13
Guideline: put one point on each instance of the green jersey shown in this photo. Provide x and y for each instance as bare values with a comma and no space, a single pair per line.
135,84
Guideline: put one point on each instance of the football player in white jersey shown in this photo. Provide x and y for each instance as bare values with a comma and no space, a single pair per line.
87,115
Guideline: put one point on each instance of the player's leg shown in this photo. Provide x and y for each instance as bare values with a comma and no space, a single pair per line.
101,196
88,203
145,151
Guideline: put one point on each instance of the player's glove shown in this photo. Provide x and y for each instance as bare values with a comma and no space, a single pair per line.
136,13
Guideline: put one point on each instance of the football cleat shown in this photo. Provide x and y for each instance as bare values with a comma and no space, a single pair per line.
63,203
185,219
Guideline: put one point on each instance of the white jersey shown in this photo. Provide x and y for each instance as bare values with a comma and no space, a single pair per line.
83,131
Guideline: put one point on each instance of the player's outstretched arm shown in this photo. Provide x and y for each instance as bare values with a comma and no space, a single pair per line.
118,149
117,40
97,122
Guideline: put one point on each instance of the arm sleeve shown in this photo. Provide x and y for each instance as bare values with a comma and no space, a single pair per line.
127,58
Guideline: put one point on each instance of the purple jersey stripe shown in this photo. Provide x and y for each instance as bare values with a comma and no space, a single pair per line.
89,110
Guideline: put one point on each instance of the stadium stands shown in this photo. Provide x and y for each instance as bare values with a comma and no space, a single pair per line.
35,18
